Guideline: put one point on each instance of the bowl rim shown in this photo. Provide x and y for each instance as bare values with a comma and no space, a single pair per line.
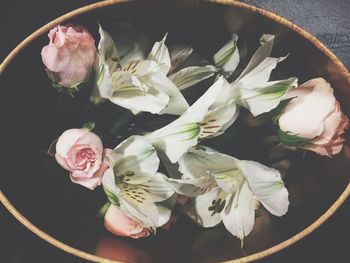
270,15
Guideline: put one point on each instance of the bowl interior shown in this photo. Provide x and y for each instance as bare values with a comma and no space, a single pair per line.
32,118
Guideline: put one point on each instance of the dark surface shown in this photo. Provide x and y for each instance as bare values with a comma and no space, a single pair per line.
327,21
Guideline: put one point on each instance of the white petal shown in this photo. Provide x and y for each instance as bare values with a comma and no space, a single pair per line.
129,89
130,93
260,73
190,76
130,42
158,188
267,185
176,141
202,161
192,165
146,213
265,97
207,162
139,201
200,211
227,58
160,54
108,181
177,103
222,113
177,137
135,159
218,120
106,46
178,55
192,187
260,55
103,86
141,68
164,215
238,215
124,81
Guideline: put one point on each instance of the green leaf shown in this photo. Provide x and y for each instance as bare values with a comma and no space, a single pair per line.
292,140
111,197
52,148
90,125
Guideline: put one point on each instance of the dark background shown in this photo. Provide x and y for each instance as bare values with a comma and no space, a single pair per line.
328,20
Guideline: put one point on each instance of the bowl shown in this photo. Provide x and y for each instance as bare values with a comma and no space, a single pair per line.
60,213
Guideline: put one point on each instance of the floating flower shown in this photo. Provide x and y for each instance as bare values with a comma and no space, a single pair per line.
141,84
226,189
313,119
133,184
80,152
138,85
252,89
70,55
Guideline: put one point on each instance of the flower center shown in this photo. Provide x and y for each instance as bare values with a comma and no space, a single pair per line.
83,157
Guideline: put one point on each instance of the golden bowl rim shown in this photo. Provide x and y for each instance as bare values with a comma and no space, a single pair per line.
268,14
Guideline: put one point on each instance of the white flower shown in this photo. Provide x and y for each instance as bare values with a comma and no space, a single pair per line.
226,189
209,116
129,78
133,183
136,84
252,89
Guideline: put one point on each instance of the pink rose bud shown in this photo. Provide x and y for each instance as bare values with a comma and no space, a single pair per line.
315,114
118,223
70,54
81,153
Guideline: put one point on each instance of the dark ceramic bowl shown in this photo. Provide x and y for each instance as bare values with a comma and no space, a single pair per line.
58,211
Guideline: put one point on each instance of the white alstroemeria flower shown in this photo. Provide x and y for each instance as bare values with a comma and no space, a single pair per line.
209,116
136,84
133,183
227,189
253,89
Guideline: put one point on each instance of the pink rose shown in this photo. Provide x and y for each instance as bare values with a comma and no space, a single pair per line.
70,54
118,223
315,114
81,152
